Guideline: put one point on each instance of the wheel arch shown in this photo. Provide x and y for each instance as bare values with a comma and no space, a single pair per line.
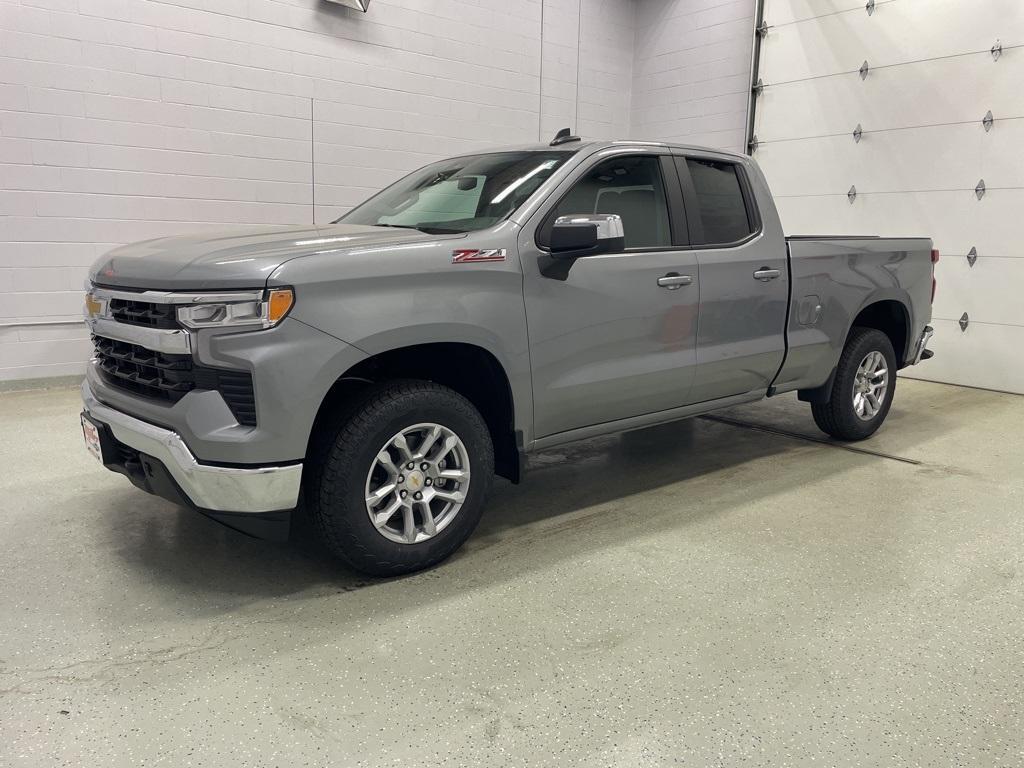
472,370
889,314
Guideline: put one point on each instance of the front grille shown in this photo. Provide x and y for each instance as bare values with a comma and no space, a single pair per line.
170,377
143,371
144,313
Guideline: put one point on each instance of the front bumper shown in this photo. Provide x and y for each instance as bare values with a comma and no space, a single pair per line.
209,488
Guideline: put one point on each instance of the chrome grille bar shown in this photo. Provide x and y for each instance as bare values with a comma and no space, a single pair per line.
172,342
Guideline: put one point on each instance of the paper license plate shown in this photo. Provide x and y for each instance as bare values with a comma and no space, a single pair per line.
92,438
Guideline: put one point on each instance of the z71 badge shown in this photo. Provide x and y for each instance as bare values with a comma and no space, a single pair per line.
466,255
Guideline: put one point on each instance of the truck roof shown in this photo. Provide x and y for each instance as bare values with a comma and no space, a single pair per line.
594,145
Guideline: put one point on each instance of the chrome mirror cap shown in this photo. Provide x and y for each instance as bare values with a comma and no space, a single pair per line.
609,225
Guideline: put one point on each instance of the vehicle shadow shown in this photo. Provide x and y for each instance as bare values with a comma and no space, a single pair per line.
586,493
601,492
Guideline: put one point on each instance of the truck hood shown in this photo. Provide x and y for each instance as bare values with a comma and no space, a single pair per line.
238,259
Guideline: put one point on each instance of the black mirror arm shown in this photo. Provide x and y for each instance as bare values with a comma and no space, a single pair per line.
554,267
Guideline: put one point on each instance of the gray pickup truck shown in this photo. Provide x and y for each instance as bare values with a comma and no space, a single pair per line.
383,368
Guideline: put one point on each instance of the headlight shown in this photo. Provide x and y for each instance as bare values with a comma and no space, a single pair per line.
265,313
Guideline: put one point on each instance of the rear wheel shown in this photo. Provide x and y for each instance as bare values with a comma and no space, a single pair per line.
863,388
402,483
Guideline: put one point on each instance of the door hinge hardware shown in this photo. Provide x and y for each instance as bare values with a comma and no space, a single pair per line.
972,256
762,29
857,133
964,321
870,7
987,121
758,87
852,194
979,188
752,144
996,51
864,69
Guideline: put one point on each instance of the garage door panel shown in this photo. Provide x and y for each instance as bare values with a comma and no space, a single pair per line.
1002,160
954,220
820,216
798,51
962,89
942,157
922,151
841,42
988,292
982,356
788,11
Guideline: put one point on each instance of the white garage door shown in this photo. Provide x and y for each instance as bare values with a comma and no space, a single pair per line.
924,146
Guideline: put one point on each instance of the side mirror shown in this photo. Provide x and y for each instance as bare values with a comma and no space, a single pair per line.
579,235
586,234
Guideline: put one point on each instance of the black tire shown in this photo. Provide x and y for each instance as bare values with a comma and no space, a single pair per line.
347,451
837,417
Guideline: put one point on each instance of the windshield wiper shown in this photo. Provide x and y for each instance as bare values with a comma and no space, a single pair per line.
440,231
424,230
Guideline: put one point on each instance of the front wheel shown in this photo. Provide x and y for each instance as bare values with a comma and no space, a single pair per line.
863,388
402,483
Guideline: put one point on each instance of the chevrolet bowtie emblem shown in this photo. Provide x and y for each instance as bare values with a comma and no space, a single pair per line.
93,308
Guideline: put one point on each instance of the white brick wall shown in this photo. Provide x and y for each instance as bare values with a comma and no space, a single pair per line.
591,93
122,120
691,73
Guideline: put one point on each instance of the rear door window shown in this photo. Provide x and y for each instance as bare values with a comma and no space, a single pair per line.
719,201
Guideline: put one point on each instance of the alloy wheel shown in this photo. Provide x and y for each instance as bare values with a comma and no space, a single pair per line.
870,384
417,483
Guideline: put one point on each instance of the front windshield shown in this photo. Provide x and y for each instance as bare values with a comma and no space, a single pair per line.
462,194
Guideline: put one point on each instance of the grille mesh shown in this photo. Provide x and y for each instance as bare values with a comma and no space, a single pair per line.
144,313
170,377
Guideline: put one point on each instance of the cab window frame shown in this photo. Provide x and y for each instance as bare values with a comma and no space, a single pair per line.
677,214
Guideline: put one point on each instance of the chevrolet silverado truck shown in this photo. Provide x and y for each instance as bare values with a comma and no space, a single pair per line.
385,367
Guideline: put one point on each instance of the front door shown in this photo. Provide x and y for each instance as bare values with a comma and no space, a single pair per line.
744,287
608,342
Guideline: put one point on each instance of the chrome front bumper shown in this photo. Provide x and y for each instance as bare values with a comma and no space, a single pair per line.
922,344
209,487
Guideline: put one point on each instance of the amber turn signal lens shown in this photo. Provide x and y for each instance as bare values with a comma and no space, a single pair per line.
278,304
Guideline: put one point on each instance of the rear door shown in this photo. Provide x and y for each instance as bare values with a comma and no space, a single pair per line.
744,282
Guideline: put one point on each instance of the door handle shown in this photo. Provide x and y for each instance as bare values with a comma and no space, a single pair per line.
764,274
674,281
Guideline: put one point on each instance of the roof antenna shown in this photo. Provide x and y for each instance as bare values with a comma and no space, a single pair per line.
563,136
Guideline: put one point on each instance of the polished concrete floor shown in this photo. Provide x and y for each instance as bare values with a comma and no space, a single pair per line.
712,593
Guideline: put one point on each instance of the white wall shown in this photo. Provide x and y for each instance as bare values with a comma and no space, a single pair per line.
122,120
591,92
691,74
